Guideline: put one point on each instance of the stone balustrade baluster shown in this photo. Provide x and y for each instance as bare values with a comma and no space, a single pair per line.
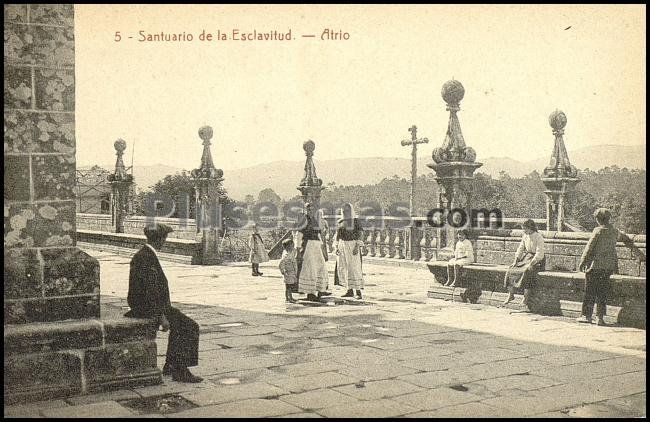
424,244
426,241
372,241
401,244
383,243
391,241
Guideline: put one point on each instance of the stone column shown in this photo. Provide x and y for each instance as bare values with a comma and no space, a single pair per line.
209,193
54,342
454,164
559,176
121,186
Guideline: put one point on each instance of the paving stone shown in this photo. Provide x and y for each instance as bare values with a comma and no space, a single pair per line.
307,368
489,355
312,381
597,410
317,399
590,370
521,382
229,393
107,409
374,390
101,397
397,344
466,410
436,363
572,356
420,352
33,409
633,405
300,415
171,387
436,398
371,372
252,408
367,409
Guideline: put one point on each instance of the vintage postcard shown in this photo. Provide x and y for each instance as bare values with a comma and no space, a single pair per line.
315,210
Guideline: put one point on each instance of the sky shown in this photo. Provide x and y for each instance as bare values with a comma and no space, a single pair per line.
354,97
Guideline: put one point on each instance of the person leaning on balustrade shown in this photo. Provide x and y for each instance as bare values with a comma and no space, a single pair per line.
599,262
529,260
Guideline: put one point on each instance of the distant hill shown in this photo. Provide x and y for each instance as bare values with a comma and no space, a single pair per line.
283,176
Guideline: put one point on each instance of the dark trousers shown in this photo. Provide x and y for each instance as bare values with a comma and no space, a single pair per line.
183,345
596,290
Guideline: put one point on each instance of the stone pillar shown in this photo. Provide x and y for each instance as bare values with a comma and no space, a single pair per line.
121,187
454,164
311,186
54,342
559,176
209,193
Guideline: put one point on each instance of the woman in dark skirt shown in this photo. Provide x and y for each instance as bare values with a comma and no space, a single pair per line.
529,260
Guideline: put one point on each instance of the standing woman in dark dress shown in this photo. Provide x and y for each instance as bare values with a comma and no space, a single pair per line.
347,246
312,276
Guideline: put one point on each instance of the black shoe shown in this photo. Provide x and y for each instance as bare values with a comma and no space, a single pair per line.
321,294
255,274
167,369
184,375
359,294
291,300
312,298
349,293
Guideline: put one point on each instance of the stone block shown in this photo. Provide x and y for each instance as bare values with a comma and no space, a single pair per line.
122,365
642,269
22,274
629,267
19,44
52,14
512,245
54,177
38,225
490,245
55,89
566,249
41,375
69,271
124,330
494,257
560,263
17,178
53,46
623,252
15,12
18,87
52,309
229,393
39,132
52,337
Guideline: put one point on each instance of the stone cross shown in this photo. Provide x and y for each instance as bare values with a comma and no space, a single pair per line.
414,141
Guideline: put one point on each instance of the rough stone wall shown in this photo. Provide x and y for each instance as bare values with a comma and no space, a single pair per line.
46,277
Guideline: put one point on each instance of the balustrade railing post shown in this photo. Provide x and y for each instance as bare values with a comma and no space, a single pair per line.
391,237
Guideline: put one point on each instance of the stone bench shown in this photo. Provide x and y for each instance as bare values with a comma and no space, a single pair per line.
174,246
47,360
557,292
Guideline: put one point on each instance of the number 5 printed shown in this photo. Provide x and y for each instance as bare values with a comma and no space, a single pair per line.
118,37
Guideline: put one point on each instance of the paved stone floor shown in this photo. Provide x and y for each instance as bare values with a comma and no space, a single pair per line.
397,353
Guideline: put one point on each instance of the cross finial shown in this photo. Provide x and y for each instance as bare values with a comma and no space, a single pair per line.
414,132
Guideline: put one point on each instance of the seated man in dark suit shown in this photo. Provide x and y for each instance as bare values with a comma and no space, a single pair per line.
149,298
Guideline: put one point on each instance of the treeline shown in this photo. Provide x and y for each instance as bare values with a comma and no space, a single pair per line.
619,189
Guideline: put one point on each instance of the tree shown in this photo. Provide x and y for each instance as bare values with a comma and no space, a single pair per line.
269,195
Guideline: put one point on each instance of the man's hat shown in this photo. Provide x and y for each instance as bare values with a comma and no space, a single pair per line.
157,231
285,242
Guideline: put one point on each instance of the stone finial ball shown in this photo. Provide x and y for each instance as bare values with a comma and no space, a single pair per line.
438,155
120,145
218,173
309,146
557,120
470,155
452,92
205,133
